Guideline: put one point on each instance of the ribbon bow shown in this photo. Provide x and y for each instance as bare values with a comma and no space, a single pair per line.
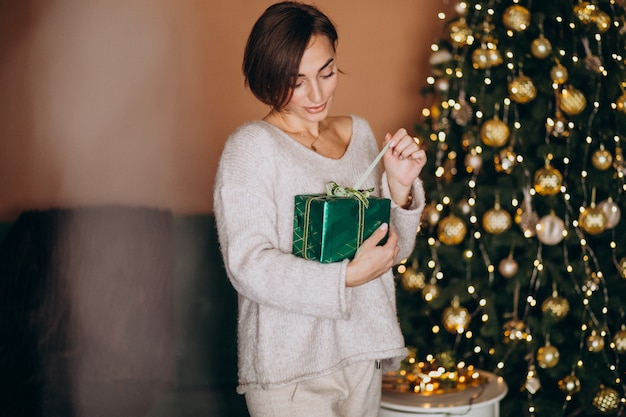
333,189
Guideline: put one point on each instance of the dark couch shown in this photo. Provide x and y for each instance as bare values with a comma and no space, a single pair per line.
115,311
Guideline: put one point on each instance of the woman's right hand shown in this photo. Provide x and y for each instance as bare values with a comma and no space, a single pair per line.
372,260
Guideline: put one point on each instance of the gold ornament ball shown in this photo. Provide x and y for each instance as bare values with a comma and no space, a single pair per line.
508,267
451,230
606,400
494,132
431,215
570,384
516,18
505,160
522,90
550,229
548,180
483,58
592,220
456,319
412,280
619,341
622,267
495,57
558,126
611,211
496,221
460,33
430,292
595,343
548,356
620,103
473,162
514,330
541,47
555,306
602,159
573,101
603,21
585,11
559,74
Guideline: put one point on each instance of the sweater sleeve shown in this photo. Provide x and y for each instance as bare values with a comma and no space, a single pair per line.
406,221
247,215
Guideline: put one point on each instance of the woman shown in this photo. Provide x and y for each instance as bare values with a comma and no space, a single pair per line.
314,338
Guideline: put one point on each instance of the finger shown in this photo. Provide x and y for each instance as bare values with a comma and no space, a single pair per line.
392,238
419,156
405,147
378,235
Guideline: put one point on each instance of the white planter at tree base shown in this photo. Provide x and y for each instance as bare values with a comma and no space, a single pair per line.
482,401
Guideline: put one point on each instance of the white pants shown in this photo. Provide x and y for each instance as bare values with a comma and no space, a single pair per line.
353,391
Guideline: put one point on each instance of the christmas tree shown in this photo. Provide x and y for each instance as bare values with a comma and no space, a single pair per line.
520,265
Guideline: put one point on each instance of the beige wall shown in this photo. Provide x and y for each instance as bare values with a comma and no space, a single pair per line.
130,102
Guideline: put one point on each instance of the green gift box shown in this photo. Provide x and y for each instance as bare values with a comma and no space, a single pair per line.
329,228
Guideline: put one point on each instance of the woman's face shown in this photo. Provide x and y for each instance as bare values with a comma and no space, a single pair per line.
316,83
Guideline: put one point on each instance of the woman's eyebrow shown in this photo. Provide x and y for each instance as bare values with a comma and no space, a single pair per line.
326,64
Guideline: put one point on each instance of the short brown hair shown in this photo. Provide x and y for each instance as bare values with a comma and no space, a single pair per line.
275,47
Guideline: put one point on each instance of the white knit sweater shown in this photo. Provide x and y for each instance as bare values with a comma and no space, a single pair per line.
297,319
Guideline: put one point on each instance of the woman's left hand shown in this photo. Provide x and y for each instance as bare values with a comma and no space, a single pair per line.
403,163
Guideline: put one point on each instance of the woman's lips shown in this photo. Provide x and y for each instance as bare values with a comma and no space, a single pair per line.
316,109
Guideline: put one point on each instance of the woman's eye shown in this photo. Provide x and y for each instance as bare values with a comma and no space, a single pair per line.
330,74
